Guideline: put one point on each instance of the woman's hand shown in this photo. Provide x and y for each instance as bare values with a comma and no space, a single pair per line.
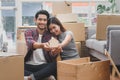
56,50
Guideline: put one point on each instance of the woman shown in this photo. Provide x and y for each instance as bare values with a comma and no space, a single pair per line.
65,38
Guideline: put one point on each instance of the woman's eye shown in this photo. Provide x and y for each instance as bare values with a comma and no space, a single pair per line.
53,27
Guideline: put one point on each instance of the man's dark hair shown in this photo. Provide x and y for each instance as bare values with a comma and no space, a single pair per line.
42,12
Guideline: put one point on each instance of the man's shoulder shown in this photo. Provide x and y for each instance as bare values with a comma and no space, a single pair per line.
47,33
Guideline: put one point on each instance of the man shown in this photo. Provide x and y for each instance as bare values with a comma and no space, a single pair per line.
39,63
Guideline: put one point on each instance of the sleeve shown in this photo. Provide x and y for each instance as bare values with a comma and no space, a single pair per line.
29,38
70,33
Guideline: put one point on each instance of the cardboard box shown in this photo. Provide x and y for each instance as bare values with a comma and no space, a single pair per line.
26,27
21,47
21,30
102,22
20,34
78,46
61,7
83,69
21,44
78,30
11,67
69,17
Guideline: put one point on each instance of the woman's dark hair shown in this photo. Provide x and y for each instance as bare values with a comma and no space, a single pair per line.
42,12
54,20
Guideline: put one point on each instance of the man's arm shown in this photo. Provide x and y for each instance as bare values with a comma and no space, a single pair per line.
29,39
32,44
38,45
41,45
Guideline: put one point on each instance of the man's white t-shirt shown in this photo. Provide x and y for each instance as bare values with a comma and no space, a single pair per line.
38,57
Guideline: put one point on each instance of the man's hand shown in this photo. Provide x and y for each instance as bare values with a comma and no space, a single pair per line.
46,46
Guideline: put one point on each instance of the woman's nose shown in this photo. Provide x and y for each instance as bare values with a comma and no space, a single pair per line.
52,30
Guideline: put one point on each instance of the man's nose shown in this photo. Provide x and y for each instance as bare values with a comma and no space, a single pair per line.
42,21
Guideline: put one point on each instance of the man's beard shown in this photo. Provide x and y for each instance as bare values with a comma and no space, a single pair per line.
42,28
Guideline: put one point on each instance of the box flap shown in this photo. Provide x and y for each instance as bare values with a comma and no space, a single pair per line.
69,17
5,54
59,7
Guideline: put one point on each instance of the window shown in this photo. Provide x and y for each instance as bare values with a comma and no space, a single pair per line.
28,11
7,20
7,3
86,12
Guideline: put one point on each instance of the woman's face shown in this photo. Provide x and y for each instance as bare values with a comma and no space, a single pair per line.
55,29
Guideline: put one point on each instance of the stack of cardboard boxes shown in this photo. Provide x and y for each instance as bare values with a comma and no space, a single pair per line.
70,21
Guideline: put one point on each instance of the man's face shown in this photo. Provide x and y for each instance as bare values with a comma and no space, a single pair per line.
41,21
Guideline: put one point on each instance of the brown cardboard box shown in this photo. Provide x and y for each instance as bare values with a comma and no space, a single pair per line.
69,17
26,27
78,30
20,34
21,47
59,7
102,22
21,30
21,44
78,46
11,66
83,69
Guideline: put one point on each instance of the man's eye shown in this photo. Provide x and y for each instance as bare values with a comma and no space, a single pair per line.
43,19
40,19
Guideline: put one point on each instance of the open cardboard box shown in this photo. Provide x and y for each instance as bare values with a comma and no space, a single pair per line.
11,66
83,69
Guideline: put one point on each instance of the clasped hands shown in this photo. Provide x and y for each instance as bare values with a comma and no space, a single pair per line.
54,50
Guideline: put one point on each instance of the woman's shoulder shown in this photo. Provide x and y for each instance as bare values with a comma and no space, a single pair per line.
68,32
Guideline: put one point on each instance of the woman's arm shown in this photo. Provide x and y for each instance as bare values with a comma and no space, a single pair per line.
58,49
66,40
